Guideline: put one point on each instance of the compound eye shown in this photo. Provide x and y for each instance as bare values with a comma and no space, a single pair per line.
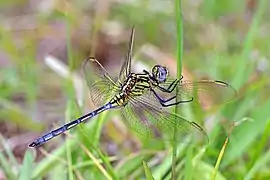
162,75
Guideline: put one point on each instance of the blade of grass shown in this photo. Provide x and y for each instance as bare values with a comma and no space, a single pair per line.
12,113
204,170
95,160
27,167
9,152
246,134
261,144
163,170
68,40
179,46
220,156
104,158
47,164
258,165
5,166
244,68
89,163
188,163
180,36
128,167
147,171
222,151
59,172
97,130
68,149
259,159
131,162
70,86
99,17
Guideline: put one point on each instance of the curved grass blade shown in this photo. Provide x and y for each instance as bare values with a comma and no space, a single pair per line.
27,167
147,172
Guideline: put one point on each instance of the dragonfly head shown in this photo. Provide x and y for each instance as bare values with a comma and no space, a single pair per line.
160,73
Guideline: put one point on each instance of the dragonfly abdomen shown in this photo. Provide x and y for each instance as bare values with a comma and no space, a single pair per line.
56,132
68,126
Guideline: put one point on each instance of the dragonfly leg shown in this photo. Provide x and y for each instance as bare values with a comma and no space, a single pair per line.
171,87
164,101
169,90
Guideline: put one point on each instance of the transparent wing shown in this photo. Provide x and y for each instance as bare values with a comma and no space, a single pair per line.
148,118
204,92
126,66
101,84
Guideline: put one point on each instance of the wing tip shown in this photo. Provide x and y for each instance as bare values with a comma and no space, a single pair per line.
222,83
197,126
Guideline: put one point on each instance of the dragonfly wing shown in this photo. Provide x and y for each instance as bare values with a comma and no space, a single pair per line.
208,92
126,66
152,121
205,92
101,84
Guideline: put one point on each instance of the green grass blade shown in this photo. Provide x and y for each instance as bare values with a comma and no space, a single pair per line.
264,159
260,145
97,163
245,134
147,172
188,163
127,166
27,167
204,170
5,166
222,151
180,36
244,68
10,112
68,149
69,112
92,140
179,50
9,152
260,158
48,163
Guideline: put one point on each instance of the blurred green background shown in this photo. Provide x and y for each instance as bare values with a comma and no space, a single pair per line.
42,47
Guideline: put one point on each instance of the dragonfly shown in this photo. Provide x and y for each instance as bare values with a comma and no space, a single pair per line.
144,99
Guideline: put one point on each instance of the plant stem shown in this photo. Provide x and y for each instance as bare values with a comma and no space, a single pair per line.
179,51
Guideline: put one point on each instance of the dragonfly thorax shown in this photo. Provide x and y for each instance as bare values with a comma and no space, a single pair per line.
136,84
129,83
